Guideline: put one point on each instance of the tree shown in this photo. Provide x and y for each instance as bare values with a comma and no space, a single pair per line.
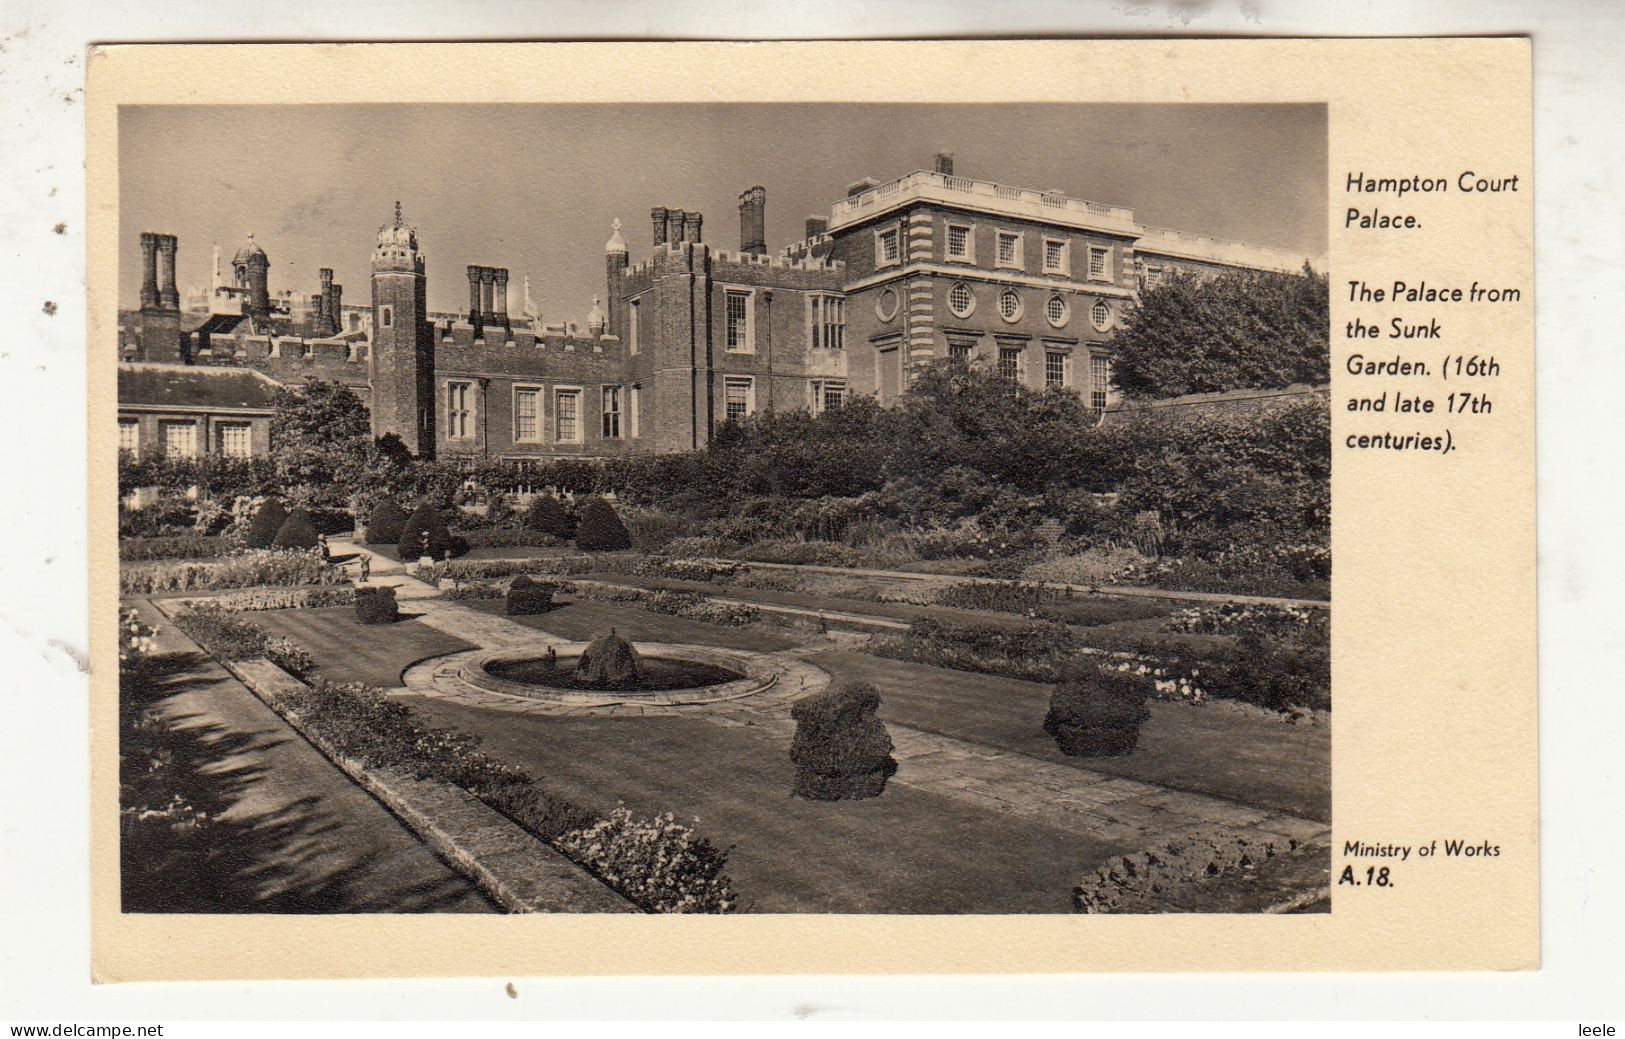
385,522
1240,330
546,514
297,531
425,533
262,529
321,443
600,528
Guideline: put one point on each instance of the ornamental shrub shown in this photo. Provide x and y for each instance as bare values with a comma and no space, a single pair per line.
262,530
600,528
659,864
526,596
425,520
385,523
841,751
546,515
1097,713
375,604
297,531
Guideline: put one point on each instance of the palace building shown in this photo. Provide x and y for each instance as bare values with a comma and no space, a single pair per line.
686,336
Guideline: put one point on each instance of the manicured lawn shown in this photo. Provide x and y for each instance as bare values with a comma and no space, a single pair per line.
1208,750
348,651
584,620
904,852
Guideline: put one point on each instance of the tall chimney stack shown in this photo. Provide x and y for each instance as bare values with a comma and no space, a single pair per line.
326,315
816,226
169,297
753,220
475,318
499,297
692,223
674,226
335,316
488,279
945,163
149,270
657,216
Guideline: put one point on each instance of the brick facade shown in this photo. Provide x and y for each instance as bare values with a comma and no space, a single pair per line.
899,275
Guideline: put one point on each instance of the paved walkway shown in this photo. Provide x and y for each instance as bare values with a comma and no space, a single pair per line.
292,833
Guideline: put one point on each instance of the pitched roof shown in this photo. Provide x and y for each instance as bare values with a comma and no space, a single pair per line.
195,387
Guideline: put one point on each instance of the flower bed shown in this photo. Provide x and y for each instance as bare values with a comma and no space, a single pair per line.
227,637
675,604
243,570
176,546
1061,605
509,537
1291,623
309,598
493,569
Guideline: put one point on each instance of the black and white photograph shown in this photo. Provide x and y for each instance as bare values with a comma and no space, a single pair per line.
724,508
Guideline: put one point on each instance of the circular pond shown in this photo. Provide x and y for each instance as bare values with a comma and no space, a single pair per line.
655,674
668,675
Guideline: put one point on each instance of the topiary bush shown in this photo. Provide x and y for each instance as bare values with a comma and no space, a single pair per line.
1096,713
526,596
376,605
600,529
609,662
297,531
547,515
385,523
841,751
426,519
263,528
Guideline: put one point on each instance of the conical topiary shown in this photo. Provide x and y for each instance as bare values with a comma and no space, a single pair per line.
546,514
600,529
609,662
385,523
297,531
425,520
262,529
841,751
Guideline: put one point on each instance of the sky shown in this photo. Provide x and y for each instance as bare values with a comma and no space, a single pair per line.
534,187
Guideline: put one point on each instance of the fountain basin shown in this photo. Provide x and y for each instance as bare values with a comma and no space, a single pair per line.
673,675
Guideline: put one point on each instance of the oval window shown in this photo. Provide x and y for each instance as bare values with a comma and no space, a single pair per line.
961,300
886,305
1009,305
1056,311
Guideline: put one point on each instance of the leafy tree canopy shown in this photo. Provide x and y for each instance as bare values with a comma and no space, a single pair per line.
1240,330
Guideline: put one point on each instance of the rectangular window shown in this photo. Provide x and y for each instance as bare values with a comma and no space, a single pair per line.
738,397
527,413
459,410
827,394
1153,277
1009,254
1057,256
632,326
740,337
1009,364
232,440
959,247
612,412
1054,368
129,436
826,322
960,353
1100,381
179,439
567,416
634,404
1097,262
887,247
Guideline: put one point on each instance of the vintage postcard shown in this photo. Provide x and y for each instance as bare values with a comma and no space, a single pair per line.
817,508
